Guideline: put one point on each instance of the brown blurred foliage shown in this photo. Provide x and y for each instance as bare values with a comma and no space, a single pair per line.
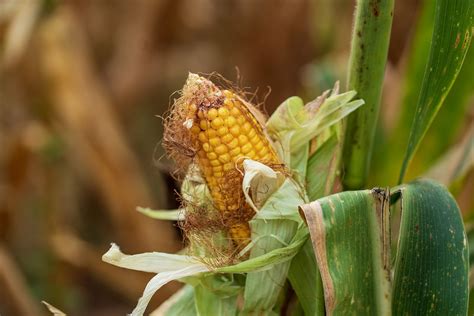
80,84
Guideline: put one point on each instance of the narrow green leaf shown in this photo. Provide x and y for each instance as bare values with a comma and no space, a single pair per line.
350,240
457,162
306,281
169,215
450,42
369,49
431,266
271,258
446,126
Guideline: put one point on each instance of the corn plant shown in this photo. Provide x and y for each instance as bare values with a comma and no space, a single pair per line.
263,222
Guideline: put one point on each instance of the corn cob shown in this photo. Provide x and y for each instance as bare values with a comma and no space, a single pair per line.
224,132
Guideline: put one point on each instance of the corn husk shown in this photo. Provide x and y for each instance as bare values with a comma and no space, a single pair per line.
258,272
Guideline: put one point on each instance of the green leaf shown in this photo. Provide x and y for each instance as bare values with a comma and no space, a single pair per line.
270,259
322,169
181,303
431,266
349,233
456,163
208,302
283,204
275,200
369,49
450,42
447,125
262,288
295,124
306,281
304,274
169,215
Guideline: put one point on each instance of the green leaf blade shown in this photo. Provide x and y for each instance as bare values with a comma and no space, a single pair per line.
431,267
346,235
450,42
306,281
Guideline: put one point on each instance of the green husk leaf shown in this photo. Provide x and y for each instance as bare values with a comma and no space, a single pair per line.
155,262
179,304
322,167
168,215
161,279
304,274
303,123
431,267
283,204
259,182
450,42
208,302
306,281
295,124
271,258
262,288
350,240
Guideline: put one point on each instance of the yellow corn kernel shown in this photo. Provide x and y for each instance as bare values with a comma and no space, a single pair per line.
211,133
251,133
211,155
243,139
251,154
227,138
236,112
214,142
229,95
234,143
223,112
222,131
217,122
228,166
263,151
217,169
258,146
255,140
195,129
215,163
202,137
221,149
246,127
235,130
212,114
230,121
246,148
224,158
234,152
203,124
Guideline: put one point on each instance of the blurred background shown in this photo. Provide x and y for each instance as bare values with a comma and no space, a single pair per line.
83,84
